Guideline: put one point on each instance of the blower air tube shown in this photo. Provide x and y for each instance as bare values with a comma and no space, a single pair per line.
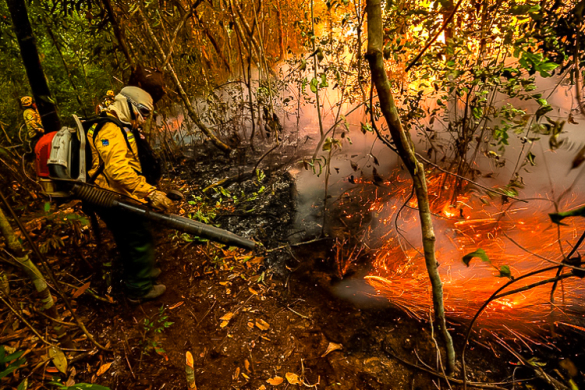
107,199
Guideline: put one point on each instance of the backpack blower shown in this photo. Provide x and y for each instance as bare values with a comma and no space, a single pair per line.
62,161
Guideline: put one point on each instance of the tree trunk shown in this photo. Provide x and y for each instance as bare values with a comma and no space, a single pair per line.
34,70
406,151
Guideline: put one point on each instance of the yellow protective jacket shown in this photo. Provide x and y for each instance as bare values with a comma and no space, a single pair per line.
32,119
122,170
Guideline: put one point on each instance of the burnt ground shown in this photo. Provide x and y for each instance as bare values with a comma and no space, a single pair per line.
251,321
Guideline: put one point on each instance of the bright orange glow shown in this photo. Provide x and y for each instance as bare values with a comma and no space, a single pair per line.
513,234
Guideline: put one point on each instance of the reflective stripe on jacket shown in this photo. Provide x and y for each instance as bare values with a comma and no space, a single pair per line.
121,164
32,119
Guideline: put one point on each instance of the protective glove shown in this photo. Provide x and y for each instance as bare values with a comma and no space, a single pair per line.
158,200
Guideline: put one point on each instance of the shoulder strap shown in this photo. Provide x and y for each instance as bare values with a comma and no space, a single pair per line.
101,121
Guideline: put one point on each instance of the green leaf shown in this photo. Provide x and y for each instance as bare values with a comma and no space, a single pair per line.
558,217
366,127
58,358
478,253
324,83
530,157
314,85
47,207
23,385
505,272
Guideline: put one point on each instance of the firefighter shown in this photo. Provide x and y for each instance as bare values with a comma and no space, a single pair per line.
117,167
32,120
107,100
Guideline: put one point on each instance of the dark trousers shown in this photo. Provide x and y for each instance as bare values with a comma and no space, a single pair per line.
136,246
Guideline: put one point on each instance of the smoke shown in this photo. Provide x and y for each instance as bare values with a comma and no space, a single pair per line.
365,192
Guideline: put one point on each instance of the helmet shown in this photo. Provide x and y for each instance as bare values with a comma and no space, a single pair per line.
26,101
139,99
110,93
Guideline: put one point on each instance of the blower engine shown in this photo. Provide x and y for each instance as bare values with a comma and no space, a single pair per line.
62,159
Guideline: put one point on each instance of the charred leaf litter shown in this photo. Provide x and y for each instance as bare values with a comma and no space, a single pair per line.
271,316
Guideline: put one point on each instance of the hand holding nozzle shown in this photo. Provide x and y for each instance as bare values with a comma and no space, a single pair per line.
158,200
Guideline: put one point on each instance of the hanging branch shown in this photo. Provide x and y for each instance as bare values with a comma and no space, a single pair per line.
406,152
497,295
192,114
434,38
118,32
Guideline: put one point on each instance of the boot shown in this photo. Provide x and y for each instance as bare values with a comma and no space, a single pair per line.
155,273
156,291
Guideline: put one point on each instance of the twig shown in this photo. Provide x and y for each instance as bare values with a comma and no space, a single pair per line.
297,313
438,350
25,321
55,320
542,257
205,315
433,39
50,273
469,180
264,155
126,355
482,308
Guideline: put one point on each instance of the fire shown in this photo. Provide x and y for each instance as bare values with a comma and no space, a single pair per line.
513,234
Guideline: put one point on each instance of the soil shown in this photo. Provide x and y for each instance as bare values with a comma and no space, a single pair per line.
249,320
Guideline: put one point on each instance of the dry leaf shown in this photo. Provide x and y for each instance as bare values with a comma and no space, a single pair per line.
176,305
262,387
250,325
247,365
245,376
293,378
189,359
277,380
227,316
81,290
262,325
224,283
332,347
58,358
236,374
103,368
253,291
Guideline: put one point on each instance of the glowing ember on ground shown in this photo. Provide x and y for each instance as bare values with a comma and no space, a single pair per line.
515,234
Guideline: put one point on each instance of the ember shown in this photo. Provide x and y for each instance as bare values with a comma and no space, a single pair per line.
516,237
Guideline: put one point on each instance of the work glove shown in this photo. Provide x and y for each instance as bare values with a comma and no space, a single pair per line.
158,200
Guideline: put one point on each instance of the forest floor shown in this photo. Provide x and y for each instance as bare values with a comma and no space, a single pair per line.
251,321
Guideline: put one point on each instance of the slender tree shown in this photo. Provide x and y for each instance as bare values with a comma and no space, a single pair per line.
32,63
405,149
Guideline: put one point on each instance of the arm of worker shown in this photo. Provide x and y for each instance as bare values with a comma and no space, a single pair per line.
112,147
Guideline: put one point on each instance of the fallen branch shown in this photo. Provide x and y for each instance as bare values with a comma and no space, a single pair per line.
444,377
25,321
